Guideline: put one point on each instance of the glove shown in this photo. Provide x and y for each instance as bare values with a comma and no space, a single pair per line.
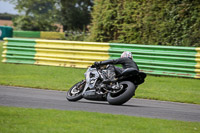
97,63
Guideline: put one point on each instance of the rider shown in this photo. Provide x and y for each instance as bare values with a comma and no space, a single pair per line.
126,61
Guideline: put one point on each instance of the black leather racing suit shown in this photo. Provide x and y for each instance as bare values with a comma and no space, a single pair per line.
125,62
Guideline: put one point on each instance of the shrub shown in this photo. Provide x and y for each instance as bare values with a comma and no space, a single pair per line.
154,22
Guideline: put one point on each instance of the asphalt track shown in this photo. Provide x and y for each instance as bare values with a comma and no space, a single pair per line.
50,99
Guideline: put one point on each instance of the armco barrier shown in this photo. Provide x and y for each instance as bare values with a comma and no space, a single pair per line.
162,60
28,34
159,60
39,34
54,52
52,35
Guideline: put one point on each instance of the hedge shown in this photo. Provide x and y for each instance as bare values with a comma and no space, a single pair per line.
154,22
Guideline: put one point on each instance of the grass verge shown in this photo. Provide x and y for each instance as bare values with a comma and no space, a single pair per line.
61,78
23,120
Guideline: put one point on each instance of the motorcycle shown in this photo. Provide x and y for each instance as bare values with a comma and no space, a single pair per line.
102,83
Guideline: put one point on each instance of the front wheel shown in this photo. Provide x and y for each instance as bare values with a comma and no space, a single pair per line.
127,92
75,92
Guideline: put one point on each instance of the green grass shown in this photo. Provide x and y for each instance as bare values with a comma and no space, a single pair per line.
170,89
25,120
46,77
61,78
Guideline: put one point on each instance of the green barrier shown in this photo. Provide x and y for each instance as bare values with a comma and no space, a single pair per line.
28,34
19,51
39,34
160,60
5,31
54,52
152,59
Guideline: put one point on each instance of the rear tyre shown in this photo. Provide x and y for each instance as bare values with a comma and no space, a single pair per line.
75,92
124,95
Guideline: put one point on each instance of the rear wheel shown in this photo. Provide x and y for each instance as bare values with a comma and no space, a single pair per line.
75,92
127,92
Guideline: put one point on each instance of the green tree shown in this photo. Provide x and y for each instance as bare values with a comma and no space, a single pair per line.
36,15
41,15
75,14
7,16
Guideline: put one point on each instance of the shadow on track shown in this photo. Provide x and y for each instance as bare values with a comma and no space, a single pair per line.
105,103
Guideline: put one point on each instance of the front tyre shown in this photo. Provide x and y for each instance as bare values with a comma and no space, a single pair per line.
127,92
75,92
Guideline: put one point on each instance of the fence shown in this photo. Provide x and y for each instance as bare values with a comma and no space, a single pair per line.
39,34
159,60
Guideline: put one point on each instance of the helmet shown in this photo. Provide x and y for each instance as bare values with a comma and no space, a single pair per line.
126,54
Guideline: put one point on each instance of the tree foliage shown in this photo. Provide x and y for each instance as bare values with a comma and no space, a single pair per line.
42,15
36,15
159,22
75,14
7,16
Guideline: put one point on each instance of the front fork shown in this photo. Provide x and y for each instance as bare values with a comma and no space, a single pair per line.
90,81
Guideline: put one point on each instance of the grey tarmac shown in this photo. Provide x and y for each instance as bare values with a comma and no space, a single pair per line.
51,99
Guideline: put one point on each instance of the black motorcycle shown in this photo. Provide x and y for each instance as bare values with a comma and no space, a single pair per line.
102,83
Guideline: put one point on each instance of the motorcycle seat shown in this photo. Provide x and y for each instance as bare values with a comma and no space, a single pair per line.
130,71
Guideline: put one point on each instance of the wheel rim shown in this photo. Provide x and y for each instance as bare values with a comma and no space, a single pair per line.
121,90
76,90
